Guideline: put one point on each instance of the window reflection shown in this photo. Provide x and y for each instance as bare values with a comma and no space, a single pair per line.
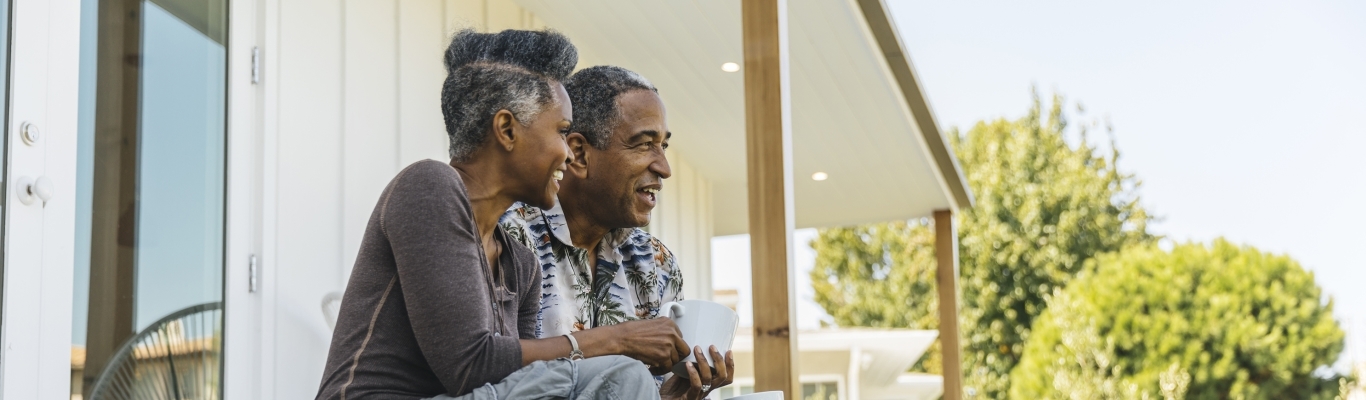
149,273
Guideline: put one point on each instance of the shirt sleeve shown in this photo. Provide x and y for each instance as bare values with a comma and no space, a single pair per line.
671,277
514,223
441,272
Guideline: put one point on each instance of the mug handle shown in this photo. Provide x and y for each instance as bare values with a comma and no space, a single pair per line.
672,310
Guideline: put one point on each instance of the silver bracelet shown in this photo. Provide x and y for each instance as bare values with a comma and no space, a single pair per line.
575,353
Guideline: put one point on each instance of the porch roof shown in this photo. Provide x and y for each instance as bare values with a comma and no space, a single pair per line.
858,112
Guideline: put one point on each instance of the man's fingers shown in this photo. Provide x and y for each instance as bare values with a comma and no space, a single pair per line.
722,373
695,390
681,347
702,366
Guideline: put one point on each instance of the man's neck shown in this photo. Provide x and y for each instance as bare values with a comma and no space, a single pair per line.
585,233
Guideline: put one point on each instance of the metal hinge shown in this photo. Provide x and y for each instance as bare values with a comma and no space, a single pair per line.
255,65
253,272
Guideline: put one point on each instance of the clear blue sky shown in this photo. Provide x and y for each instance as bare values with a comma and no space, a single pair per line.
1243,119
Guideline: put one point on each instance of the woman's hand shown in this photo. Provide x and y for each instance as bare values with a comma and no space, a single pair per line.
692,387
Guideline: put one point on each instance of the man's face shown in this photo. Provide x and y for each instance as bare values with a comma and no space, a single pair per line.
622,180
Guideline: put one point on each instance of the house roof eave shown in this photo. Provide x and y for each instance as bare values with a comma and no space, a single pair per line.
898,61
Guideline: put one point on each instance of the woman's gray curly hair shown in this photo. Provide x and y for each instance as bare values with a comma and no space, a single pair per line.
509,70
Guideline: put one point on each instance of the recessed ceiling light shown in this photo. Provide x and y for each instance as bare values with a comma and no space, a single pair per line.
730,67
819,176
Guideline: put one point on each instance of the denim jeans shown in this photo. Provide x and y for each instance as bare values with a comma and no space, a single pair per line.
606,378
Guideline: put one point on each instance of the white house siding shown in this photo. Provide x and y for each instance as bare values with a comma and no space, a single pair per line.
683,221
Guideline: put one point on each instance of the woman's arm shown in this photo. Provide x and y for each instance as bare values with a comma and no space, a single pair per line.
437,253
656,342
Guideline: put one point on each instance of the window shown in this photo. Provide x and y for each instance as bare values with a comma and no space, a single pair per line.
151,164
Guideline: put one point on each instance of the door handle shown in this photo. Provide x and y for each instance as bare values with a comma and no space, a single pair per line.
29,189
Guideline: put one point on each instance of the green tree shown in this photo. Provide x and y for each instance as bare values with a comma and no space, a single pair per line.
1242,323
1043,208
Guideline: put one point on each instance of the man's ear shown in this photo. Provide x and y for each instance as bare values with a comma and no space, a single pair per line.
504,135
578,146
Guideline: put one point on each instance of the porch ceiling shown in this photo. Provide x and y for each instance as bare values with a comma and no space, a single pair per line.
850,118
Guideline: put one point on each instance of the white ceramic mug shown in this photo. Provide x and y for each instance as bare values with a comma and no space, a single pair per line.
760,396
704,324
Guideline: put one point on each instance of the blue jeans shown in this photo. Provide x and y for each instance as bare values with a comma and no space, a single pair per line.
605,377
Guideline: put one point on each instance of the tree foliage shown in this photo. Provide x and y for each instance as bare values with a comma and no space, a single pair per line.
1241,323
1043,208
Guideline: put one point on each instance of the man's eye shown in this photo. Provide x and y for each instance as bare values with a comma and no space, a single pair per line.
664,146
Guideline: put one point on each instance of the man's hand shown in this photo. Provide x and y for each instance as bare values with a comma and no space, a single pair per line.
691,387
656,342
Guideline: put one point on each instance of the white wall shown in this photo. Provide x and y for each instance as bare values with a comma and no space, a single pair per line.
683,221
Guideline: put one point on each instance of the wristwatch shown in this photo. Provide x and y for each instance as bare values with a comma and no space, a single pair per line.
574,353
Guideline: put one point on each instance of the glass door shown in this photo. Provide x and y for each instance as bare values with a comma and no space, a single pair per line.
147,314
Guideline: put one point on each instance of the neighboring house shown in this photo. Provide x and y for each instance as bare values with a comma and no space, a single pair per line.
162,154
848,364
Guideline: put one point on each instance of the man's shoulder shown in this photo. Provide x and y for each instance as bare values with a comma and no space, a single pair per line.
516,222
520,214
644,243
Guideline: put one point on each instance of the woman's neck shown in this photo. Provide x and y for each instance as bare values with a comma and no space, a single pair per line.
488,201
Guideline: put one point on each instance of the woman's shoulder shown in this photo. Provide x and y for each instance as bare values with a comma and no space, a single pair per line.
428,173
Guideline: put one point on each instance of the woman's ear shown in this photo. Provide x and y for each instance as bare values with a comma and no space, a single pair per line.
504,129
578,147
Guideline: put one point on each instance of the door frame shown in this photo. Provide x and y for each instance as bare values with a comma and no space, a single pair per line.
248,341
35,360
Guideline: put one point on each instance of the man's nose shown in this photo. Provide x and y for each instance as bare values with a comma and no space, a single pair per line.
661,167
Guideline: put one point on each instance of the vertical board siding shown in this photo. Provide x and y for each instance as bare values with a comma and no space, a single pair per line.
683,221
370,120
309,191
422,44
461,14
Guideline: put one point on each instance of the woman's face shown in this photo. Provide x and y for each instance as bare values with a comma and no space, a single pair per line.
541,154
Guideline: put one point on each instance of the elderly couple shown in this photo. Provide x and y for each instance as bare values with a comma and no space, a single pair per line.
484,278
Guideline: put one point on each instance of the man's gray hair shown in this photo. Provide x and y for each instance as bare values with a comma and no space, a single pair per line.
509,70
594,93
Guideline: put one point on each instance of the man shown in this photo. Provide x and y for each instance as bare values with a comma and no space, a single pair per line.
617,139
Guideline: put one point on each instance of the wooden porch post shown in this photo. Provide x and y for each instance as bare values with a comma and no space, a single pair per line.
946,252
768,141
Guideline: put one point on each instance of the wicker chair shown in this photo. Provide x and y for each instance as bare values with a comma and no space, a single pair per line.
176,358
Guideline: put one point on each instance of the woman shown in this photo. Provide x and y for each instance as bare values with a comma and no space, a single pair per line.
441,302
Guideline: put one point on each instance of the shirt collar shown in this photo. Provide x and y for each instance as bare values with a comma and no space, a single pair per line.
559,227
554,218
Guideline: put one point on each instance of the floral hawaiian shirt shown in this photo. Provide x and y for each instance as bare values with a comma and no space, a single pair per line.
633,276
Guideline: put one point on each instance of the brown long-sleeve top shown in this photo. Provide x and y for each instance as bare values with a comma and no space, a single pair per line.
417,319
